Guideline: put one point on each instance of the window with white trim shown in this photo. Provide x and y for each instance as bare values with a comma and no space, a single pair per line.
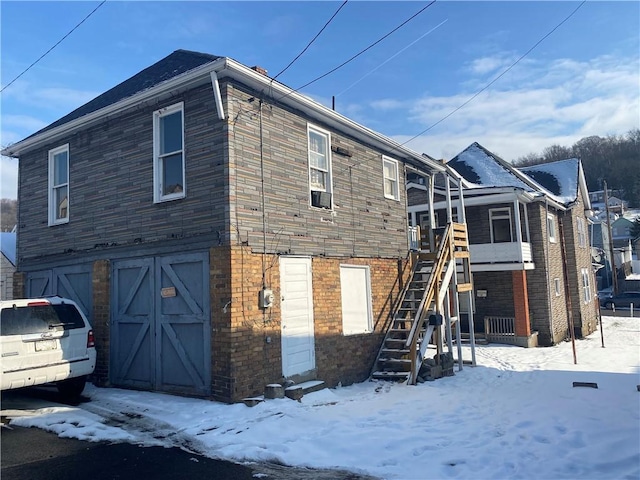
586,285
168,153
390,174
500,225
582,233
320,182
59,185
556,283
551,228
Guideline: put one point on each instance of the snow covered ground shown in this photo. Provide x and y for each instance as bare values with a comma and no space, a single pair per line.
515,415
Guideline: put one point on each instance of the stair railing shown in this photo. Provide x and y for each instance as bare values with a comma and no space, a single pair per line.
443,255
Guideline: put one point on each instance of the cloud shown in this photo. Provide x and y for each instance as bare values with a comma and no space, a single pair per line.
24,122
53,99
540,105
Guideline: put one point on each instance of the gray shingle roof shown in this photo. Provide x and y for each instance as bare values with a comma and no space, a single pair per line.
176,63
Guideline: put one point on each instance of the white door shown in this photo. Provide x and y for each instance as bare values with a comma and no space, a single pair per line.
298,351
355,287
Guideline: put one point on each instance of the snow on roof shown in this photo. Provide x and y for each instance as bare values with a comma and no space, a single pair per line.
8,246
560,178
479,166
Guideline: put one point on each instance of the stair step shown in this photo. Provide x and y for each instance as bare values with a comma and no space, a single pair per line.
396,351
396,361
391,375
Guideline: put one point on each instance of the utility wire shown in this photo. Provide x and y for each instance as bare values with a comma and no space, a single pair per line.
391,58
362,51
312,40
54,46
499,76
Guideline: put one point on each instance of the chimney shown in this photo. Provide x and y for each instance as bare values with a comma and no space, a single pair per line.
259,69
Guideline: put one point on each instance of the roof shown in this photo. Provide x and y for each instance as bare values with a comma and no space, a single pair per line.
176,63
8,246
560,178
480,167
184,69
562,181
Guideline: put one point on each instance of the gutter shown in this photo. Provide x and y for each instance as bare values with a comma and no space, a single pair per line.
220,68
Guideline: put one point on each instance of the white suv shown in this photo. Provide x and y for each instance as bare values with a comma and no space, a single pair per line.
45,340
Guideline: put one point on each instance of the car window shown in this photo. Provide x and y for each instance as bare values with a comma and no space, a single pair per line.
39,319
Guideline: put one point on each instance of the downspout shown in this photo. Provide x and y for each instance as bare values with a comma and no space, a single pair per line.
217,95
547,261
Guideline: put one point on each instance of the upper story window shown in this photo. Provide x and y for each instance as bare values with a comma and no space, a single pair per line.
59,185
551,228
168,153
582,233
391,183
500,221
320,182
586,285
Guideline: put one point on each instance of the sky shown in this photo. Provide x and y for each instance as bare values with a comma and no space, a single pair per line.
423,84
516,415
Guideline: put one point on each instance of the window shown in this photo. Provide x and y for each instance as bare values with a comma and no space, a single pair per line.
355,287
320,167
390,173
586,285
551,228
59,185
500,221
582,235
168,153
556,283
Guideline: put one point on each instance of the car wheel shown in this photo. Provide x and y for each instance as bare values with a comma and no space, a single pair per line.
609,305
73,387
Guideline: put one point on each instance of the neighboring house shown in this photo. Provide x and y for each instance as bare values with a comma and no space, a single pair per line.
616,205
518,223
621,231
7,264
222,231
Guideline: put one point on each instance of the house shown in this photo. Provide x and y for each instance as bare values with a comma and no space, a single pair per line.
221,230
616,204
530,254
7,264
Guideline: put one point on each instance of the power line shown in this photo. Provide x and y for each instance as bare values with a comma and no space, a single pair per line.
312,40
499,76
54,46
368,48
391,58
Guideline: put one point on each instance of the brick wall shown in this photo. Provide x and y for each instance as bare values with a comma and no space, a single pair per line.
499,299
101,287
579,258
19,281
548,311
246,345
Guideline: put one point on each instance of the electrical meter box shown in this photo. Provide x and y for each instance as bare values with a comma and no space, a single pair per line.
265,298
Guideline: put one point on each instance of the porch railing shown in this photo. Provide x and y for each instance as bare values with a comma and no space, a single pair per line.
500,329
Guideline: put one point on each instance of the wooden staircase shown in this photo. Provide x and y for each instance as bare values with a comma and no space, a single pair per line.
418,314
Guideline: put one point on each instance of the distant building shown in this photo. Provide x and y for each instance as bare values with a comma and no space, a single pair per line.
7,264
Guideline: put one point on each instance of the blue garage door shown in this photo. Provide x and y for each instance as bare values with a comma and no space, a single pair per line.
72,282
161,331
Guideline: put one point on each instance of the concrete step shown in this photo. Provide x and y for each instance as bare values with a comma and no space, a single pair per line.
296,392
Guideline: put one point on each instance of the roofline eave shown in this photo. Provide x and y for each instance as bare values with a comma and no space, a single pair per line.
225,66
